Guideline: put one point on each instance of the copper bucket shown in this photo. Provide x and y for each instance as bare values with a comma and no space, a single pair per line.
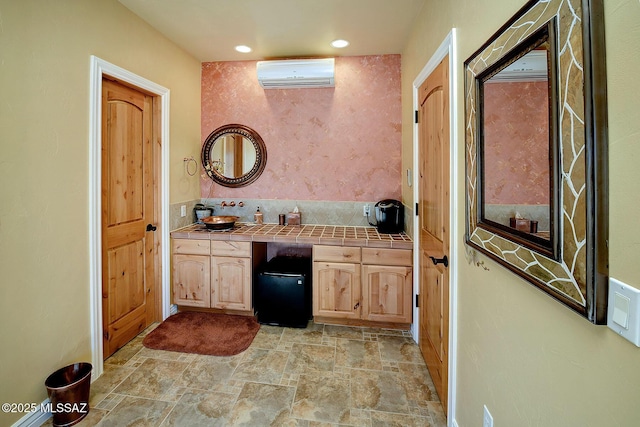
68,390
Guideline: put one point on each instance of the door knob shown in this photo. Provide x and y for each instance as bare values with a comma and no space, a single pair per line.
151,227
437,261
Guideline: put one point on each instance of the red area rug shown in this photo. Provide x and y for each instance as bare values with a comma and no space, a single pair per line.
212,334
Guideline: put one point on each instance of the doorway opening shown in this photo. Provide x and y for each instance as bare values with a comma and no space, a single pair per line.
100,69
446,49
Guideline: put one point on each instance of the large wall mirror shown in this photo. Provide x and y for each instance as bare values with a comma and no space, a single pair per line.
536,151
234,155
518,155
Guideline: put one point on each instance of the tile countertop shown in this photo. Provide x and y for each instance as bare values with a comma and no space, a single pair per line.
306,233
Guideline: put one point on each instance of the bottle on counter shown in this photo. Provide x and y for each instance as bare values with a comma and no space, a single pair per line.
257,217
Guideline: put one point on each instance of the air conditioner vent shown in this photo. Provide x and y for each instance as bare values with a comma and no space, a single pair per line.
296,73
530,68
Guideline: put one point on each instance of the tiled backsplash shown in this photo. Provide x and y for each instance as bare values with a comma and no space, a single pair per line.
408,221
313,212
175,220
502,213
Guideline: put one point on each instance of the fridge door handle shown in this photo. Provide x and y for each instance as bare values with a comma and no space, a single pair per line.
271,273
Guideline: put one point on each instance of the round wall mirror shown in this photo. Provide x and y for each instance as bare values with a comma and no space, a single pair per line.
234,155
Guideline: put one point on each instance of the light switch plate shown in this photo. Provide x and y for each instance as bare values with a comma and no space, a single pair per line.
624,309
621,309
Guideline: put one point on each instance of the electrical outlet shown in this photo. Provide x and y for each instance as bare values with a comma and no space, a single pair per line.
487,419
366,210
183,211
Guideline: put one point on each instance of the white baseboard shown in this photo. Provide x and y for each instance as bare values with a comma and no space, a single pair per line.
454,423
35,418
173,309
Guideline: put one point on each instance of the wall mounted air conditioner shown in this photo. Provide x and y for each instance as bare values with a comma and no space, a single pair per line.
530,68
296,73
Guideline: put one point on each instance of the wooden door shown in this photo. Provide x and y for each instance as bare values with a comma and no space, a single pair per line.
387,293
192,280
336,290
231,284
128,288
433,217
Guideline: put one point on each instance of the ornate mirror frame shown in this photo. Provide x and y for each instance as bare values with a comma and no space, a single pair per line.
252,174
577,272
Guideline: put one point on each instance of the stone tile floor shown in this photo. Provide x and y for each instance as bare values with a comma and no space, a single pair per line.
323,375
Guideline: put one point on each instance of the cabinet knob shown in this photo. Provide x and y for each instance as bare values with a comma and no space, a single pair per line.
357,305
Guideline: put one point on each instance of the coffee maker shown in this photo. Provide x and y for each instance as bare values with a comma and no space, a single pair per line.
389,215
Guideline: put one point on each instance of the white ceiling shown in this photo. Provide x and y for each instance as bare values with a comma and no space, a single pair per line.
210,29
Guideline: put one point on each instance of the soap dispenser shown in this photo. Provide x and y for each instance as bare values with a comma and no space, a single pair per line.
257,217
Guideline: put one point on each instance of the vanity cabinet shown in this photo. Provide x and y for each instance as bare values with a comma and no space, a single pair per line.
365,284
214,274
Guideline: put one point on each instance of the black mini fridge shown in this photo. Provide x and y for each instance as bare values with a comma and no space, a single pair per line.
282,294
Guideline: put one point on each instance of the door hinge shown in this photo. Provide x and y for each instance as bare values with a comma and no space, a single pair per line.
416,208
416,117
417,300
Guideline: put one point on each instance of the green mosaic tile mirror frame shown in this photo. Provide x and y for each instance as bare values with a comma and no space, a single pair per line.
577,272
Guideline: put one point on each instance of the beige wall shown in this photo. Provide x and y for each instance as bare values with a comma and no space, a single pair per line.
44,125
531,360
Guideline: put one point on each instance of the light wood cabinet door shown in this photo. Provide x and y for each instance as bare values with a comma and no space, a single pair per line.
231,283
128,248
387,293
191,280
336,290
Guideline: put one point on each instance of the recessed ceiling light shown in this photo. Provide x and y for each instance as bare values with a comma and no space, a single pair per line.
243,49
339,43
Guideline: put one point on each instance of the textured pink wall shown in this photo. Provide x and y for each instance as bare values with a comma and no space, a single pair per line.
340,144
516,135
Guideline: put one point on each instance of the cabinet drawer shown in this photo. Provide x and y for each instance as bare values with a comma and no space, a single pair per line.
191,246
387,256
336,253
231,248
